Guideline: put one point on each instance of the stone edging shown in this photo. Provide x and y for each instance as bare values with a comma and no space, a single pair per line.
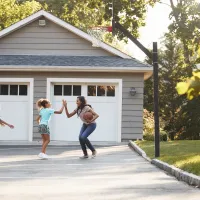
181,175
136,148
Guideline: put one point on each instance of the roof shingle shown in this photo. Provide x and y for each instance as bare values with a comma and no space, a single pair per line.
86,61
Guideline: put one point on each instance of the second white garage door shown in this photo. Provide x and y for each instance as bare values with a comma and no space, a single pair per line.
104,99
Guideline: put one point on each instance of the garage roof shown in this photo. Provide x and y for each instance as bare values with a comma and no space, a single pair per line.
90,61
73,63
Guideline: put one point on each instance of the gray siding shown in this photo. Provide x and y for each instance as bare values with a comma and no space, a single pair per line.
132,107
49,40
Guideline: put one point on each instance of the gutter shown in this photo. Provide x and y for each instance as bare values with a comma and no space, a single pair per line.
148,71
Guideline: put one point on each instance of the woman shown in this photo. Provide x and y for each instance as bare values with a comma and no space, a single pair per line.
88,126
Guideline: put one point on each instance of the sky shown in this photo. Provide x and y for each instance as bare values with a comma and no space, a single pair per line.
157,22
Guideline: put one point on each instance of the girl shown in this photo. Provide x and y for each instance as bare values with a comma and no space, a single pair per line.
44,106
3,123
88,126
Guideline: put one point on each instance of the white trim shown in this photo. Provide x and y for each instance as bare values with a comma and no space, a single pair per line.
93,80
64,25
119,139
148,71
30,81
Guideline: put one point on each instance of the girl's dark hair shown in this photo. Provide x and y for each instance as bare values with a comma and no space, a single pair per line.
42,103
83,104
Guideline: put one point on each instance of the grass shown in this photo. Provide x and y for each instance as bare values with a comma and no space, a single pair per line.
184,154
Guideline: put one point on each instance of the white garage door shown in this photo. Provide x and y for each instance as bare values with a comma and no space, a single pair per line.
14,107
102,97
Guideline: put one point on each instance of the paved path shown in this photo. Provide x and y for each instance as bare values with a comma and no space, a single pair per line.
117,173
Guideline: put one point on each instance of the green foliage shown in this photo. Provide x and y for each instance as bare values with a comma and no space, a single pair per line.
11,11
172,67
188,120
148,122
148,127
185,25
80,13
191,87
151,136
84,13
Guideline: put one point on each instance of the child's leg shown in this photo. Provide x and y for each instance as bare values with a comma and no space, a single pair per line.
45,142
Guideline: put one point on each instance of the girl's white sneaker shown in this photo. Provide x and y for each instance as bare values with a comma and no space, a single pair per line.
43,156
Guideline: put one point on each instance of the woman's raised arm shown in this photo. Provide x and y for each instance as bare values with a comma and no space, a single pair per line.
66,110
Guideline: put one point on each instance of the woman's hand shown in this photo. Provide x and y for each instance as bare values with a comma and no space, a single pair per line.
89,121
64,102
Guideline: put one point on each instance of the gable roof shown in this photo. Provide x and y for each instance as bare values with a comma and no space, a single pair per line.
65,25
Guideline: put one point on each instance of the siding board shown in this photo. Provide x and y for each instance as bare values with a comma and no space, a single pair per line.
51,39
85,52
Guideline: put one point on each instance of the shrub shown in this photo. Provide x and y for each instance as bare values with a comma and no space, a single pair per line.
148,127
150,136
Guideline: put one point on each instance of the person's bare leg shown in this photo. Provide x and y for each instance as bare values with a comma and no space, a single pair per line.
45,143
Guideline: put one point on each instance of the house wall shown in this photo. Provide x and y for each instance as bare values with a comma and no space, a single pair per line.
48,40
132,106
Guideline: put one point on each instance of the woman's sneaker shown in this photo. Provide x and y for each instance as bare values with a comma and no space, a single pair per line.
84,157
94,154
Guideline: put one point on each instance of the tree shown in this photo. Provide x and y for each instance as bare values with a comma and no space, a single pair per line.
171,69
80,13
186,26
11,11
84,13
188,119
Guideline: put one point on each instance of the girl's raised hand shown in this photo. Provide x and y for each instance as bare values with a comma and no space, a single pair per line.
64,102
11,126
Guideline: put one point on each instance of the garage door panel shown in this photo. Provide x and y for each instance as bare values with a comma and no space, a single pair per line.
63,128
106,124
16,114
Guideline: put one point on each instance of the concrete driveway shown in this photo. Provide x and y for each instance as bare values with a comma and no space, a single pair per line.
117,173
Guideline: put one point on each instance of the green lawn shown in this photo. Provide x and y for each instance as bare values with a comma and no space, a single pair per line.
183,154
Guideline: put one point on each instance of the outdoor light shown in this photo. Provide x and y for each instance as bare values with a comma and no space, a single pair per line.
132,91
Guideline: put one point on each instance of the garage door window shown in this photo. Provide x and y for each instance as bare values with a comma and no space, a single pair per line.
13,90
67,90
110,91
23,90
99,90
3,89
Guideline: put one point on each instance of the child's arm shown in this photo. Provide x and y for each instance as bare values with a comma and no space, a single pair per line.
38,119
66,110
5,123
60,111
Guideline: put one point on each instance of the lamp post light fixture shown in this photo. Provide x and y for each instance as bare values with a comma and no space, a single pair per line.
132,91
